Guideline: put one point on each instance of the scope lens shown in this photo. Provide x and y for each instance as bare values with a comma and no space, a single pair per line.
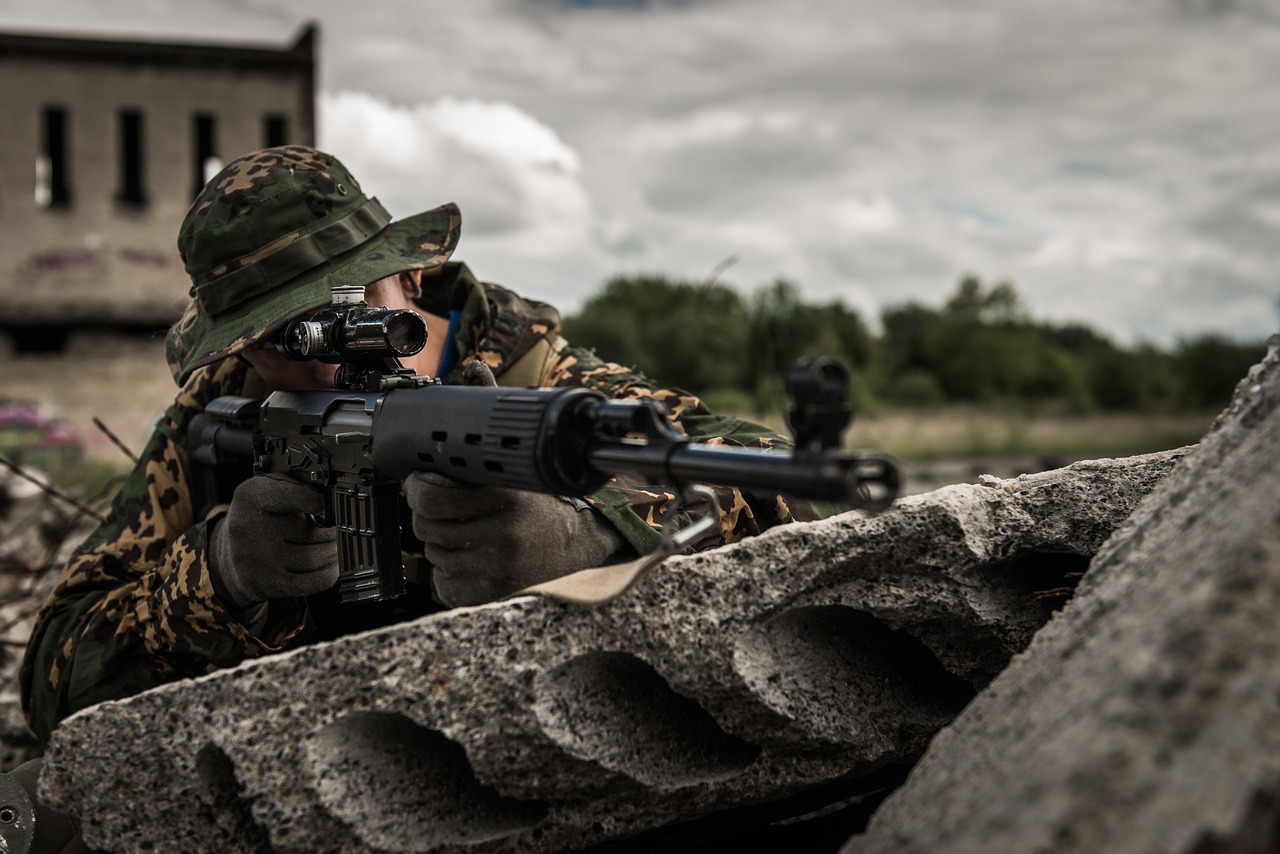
406,332
396,332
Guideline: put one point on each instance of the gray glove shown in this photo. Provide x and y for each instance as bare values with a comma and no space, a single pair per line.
266,549
486,542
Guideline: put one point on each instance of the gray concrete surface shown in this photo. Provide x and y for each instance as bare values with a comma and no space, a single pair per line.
1145,717
813,653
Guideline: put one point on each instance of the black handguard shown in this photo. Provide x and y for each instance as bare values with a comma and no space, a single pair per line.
359,444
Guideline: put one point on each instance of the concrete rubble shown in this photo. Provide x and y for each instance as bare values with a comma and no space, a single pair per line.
36,538
815,653
1145,717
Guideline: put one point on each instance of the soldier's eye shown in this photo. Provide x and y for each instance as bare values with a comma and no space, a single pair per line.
272,343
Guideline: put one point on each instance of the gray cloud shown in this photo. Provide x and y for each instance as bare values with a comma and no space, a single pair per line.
1116,160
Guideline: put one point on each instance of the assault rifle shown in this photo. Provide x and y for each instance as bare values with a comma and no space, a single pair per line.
382,422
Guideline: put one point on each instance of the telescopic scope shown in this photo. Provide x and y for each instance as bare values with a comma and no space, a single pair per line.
356,330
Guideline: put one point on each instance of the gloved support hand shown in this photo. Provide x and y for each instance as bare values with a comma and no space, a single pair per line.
487,542
265,548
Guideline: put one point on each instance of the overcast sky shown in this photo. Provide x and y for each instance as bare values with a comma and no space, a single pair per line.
1118,161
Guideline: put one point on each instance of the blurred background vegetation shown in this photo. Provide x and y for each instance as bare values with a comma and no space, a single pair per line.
975,375
973,385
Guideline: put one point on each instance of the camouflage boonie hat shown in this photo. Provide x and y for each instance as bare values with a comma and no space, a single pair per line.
269,236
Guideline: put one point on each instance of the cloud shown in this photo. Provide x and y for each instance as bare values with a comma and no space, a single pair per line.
1115,160
512,175
504,133
875,214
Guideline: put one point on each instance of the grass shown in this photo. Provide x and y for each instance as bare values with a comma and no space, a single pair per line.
971,431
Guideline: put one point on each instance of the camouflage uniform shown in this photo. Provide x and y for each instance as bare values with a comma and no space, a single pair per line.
135,606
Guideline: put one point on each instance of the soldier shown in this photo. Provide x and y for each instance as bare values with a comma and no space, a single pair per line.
157,594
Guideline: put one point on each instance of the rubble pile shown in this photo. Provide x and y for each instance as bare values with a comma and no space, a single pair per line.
37,534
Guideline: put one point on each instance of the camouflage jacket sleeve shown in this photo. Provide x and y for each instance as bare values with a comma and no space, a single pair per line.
134,607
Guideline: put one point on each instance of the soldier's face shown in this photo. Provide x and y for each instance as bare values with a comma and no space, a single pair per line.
284,374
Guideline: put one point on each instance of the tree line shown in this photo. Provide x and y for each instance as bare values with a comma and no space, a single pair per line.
980,346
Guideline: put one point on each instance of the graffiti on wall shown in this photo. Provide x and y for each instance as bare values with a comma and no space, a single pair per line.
62,261
29,436
68,261
145,258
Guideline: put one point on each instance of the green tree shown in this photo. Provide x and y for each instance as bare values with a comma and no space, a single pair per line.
972,303
687,334
786,329
1209,367
981,346
1130,380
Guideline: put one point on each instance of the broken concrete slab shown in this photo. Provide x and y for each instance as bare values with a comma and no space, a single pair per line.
816,652
1145,717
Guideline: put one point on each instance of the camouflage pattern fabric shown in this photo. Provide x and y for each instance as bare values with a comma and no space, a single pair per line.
269,236
135,606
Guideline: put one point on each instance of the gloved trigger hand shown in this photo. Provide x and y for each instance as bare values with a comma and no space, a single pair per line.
486,542
266,547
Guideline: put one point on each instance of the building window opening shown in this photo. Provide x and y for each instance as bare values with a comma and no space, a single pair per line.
132,189
39,338
206,162
53,187
275,130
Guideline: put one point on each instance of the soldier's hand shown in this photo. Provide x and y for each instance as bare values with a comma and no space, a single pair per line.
265,547
487,542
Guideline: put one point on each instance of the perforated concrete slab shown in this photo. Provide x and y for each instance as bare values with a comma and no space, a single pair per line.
813,653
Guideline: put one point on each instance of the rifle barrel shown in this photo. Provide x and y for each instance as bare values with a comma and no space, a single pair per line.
831,477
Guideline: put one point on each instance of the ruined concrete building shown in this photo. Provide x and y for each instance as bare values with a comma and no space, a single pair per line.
105,144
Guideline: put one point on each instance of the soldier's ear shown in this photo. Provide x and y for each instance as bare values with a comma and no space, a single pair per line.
411,283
